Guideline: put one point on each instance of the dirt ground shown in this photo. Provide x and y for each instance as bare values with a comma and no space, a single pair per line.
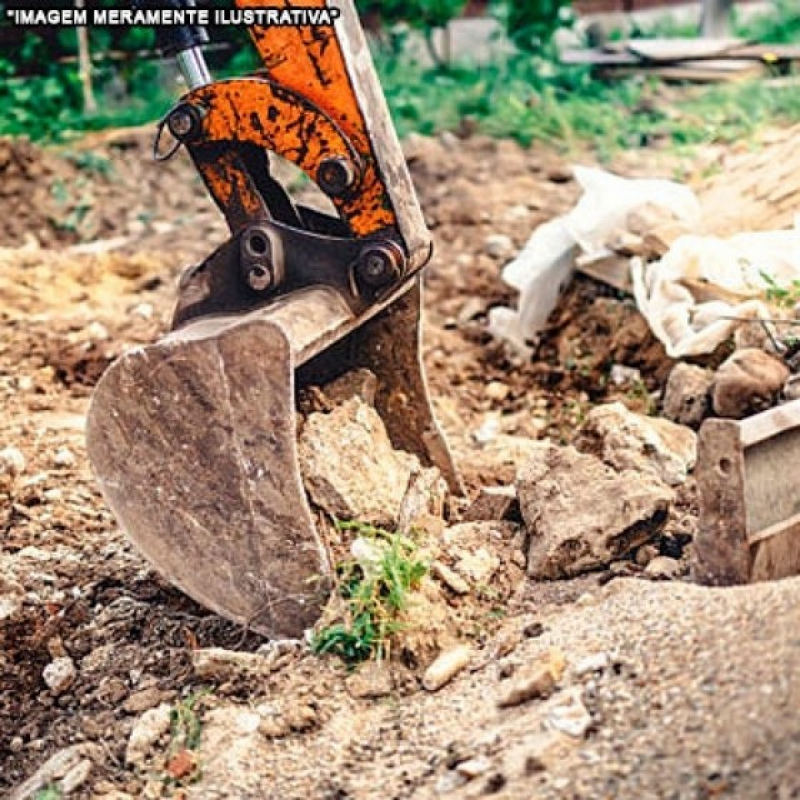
692,693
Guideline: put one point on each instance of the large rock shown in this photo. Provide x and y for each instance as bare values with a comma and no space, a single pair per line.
349,466
687,395
747,383
649,445
582,514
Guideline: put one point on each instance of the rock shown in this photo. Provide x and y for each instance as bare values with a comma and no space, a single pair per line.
215,663
628,441
12,596
538,681
143,700
450,579
446,667
645,554
570,716
620,375
357,383
474,767
64,458
75,778
60,674
424,500
582,514
371,680
12,465
500,455
493,503
748,382
663,568
597,662
349,466
479,549
687,395
499,246
66,771
791,391
147,731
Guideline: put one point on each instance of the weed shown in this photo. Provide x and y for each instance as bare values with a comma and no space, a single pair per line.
49,792
375,594
185,726
781,296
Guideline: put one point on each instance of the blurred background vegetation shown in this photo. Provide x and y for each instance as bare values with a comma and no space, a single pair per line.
520,90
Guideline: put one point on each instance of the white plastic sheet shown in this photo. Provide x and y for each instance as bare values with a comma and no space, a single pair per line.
545,266
693,298
704,287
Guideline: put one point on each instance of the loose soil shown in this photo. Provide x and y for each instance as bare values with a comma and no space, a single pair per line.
697,696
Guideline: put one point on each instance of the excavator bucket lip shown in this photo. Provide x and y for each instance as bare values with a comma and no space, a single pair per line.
193,442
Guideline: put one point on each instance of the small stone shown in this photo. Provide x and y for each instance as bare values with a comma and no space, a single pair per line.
645,554
149,728
12,465
75,778
597,662
449,664
499,246
451,579
497,391
215,663
664,568
371,680
747,383
537,682
620,375
687,395
474,768
570,716
143,700
493,503
16,744
60,674
64,458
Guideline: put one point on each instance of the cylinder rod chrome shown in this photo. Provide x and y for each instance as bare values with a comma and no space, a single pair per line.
193,67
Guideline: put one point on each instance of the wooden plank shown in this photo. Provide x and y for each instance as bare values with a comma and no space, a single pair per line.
672,50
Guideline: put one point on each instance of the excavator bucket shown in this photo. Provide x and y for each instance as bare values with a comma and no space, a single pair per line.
193,441
193,438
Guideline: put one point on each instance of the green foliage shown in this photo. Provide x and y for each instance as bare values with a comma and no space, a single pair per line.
185,726
373,598
48,793
782,296
531,24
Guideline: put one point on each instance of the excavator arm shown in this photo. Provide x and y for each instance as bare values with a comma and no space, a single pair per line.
193,439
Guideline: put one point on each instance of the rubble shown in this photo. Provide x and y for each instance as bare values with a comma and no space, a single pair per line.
628,441
64,772
148,729
747,383
687,395
582,514
349,466
570,716
539,681
60,674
